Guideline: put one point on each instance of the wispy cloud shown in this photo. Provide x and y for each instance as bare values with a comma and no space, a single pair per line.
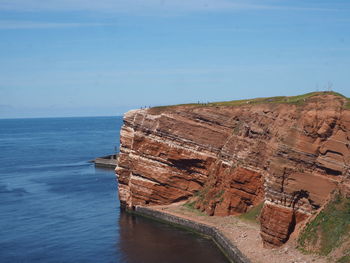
144,6
15,24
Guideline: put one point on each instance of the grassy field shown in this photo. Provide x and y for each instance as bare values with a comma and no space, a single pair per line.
328,230
296,100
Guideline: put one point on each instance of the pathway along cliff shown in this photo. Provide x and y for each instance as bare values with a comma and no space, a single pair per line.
291,154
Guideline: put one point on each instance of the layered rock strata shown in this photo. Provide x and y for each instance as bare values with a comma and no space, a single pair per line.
229,159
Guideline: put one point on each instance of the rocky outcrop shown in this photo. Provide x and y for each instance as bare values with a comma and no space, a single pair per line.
231,158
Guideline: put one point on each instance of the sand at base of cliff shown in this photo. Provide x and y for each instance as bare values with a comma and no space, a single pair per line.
245,235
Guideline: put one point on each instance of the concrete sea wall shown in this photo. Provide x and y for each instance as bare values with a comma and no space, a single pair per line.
229,249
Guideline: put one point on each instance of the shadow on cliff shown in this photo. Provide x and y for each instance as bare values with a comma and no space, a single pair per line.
187,164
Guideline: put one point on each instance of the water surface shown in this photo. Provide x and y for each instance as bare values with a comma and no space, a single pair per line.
57,207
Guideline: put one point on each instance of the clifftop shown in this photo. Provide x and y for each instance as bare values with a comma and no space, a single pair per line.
292,100
288,153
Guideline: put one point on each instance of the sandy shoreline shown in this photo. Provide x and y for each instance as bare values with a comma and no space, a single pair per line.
244,235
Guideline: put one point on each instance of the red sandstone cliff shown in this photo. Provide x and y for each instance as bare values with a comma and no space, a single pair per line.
291,157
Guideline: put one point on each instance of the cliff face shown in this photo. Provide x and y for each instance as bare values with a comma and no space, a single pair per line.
229,159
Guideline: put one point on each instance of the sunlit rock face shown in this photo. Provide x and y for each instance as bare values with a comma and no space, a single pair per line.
291,157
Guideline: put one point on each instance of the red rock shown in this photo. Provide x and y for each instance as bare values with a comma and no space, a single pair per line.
232,158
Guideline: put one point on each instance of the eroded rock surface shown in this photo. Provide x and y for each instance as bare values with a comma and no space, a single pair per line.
291,157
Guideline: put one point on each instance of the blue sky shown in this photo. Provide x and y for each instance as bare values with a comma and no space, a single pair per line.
90,58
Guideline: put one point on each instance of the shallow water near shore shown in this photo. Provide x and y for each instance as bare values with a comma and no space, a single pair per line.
57,207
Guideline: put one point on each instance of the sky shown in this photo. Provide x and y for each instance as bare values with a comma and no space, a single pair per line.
62,58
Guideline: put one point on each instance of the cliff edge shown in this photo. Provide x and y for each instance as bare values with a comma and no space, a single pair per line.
287,153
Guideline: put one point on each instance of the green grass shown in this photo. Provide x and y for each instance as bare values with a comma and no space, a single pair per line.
202,193
191,206
253,214
295,100
347,104
328,229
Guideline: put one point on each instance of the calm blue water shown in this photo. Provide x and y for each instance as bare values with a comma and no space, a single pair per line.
56,207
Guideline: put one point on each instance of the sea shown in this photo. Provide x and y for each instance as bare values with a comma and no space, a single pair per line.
55,206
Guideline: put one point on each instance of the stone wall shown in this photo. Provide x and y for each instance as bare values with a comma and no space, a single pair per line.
229,249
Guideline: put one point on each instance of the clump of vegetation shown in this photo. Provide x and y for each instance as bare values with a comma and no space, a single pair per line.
237,128
191,205
198,197
347,104
328,229
202,197
201,194
253,214
344,259
295,100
